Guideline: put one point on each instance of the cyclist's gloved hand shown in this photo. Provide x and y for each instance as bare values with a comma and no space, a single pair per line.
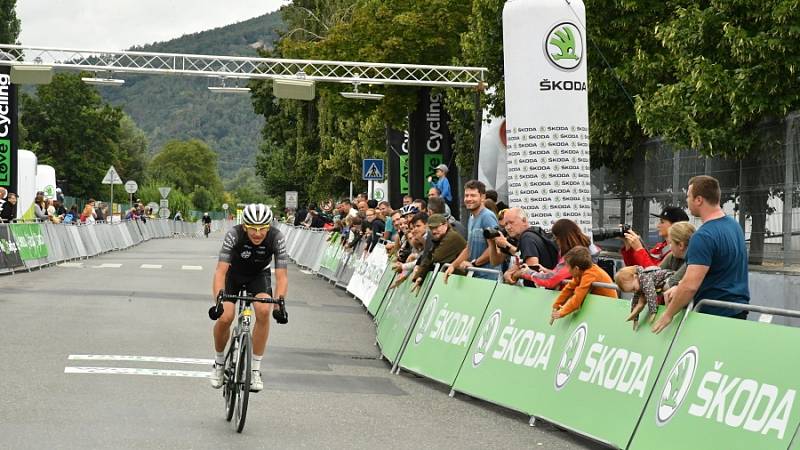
280,314
215,312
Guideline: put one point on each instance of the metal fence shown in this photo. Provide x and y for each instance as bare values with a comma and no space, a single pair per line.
761,191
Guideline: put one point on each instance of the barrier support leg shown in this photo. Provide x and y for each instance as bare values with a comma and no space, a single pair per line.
452,393
532,421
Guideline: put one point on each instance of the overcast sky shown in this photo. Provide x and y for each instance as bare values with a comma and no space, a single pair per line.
120,24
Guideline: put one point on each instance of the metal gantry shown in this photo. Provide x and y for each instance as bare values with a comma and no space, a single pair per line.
242,67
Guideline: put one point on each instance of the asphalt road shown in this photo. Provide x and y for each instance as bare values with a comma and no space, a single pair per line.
145,330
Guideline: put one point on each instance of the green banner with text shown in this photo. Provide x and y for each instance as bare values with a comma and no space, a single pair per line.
397,317
445,329
29,240
727,384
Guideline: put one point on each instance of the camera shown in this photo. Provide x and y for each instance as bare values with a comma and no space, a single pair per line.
601,234
493,232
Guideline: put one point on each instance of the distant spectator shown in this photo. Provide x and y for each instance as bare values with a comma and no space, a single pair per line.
100,212
679,236
434,193
442,183
72,215
177,217
407,200
362,206
8,211
40,207
88,214
421,204
491,206
377,225
477,252
59,195
388,230
584,273
60,210
716,262
372,203
300,217
634,253
3,195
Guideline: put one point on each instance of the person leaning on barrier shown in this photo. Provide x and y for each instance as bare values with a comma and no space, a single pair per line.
476,254
447,245
376,227
584,273
716,261
40,207
404,269
634,253
386,211
9,208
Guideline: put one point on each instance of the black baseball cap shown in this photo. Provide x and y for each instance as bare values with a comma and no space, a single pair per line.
672,214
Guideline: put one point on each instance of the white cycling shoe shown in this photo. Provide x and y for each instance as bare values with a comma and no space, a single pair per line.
255,381
216,375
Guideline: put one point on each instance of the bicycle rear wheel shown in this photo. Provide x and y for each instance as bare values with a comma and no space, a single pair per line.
243,373
229,380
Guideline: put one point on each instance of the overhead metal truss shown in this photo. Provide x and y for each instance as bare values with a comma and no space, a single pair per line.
242,67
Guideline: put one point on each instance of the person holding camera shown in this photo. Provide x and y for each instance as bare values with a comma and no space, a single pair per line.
476,254
529,242
633,251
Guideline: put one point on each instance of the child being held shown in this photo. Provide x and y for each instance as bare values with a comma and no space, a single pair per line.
645,285
584,272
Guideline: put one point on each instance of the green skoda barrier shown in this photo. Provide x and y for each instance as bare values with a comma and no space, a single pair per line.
331,256
512,349
601,372
399,316
727,384
445,329
30,241
382,291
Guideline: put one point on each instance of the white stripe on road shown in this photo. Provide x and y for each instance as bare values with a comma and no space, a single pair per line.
191,267
133,371
161,359
108,266
150,266
71,264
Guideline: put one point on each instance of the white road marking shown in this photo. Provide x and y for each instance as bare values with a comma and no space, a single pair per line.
71,264
191,267
161,359
108,266
150,266
134,371
307,272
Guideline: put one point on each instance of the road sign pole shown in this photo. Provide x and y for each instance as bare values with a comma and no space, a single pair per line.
111,207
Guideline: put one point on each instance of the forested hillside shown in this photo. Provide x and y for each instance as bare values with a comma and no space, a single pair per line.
170,107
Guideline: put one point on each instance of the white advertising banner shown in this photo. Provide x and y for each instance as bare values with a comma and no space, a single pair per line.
367,275
547,110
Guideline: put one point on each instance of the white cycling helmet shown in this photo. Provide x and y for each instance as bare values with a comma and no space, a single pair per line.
257,214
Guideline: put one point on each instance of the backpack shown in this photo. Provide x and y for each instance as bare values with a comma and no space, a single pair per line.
545,245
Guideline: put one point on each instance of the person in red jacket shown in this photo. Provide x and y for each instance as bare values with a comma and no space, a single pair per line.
633,251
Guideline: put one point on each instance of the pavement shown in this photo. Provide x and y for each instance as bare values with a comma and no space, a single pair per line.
113,351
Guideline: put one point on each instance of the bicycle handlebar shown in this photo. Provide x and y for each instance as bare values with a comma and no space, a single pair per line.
279,313
223,297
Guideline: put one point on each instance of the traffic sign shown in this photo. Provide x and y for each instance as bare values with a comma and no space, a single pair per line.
164,213
164,191
131,187
291,199
112,177
372,169
164,203
225,206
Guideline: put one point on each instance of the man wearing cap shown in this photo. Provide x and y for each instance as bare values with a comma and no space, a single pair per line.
634,253
447,245
442,183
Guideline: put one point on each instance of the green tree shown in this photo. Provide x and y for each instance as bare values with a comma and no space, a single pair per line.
203,199
9,23
71,129
186,165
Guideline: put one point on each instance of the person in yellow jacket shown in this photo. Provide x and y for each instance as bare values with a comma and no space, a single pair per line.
584,273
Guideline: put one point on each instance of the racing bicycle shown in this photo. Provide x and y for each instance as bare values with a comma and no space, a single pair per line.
238,358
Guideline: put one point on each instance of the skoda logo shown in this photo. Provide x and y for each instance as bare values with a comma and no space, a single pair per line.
427,318
486,337
563,46
571,356
246,254
678,383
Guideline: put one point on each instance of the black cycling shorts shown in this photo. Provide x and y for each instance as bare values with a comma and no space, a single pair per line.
253,284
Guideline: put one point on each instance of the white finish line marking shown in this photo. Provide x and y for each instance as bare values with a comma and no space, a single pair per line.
133,371
160,359
191,267
150,266
108,266
71,264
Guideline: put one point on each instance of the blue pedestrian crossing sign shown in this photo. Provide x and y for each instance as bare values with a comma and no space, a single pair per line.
372,169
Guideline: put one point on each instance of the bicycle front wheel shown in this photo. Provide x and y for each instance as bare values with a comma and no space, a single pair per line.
229,380
243,373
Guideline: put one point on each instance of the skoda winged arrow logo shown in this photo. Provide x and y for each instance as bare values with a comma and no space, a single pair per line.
571,356
486,338
563,46
428,315
678,383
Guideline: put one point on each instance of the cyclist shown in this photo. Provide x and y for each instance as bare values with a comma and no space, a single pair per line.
206,224
244,260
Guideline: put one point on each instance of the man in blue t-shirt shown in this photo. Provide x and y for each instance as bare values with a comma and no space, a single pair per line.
716,261
476,254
